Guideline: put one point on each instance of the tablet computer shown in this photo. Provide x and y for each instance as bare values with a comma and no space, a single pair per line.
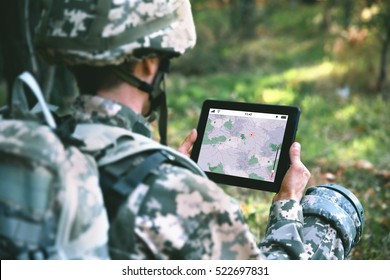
245,144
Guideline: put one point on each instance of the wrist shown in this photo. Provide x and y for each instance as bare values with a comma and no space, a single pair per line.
287,196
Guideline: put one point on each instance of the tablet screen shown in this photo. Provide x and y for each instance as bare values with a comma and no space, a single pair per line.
245,142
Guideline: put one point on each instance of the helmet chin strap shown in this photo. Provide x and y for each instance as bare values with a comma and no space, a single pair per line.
156,91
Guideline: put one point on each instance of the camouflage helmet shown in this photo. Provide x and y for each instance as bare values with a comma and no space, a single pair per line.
107,32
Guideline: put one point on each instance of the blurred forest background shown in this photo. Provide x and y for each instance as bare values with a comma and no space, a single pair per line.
329,57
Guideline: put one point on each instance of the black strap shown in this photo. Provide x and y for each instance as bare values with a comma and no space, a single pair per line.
116,192
163,120
159,100
137,175
65,130
123,73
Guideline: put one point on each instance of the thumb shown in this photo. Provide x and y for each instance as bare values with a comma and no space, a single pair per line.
295,153
186,146
190,139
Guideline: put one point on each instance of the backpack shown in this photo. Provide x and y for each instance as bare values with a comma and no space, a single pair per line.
51,205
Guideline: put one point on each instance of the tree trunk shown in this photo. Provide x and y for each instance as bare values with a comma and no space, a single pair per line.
327,15
383,61
348,6
243,17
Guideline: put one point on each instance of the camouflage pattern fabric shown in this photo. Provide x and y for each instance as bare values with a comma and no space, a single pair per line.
341,209
100,32
55,202
180,215
322,240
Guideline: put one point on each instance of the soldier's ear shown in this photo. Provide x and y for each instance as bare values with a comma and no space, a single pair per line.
146,69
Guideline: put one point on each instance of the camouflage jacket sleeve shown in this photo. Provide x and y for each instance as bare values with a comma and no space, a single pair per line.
284,238
184,216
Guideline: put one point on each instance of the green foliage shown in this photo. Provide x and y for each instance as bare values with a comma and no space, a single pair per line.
345,138
373,190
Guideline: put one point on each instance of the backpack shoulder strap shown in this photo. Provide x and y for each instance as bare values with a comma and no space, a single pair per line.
19,101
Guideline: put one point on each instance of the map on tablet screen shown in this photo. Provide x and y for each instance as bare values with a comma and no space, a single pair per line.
242,144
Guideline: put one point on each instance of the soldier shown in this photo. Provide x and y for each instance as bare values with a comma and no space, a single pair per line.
119,52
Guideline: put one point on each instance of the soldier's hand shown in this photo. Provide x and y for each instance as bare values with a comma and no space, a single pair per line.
186,147
296,178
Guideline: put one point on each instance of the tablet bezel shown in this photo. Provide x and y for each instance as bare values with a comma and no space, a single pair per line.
293,113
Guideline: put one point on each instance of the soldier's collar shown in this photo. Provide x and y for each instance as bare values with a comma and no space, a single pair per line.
96,109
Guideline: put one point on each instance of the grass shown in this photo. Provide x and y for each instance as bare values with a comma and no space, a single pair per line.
344,140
